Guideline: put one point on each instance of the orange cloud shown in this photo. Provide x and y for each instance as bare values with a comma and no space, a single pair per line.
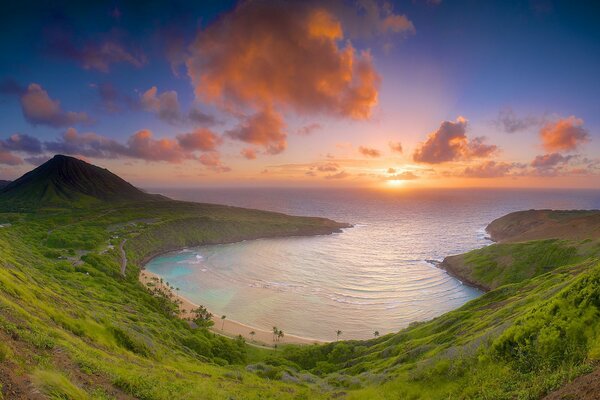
328,167
565,134
201,139
396,147
368,152
265,128
212,160
142,145
339,175
450,143
199,145
266,57
403,176
249,153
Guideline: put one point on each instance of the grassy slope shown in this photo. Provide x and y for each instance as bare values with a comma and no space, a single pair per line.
529,244
518,341
81,330
71,326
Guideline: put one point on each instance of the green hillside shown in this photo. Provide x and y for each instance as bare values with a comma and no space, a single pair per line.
66,179
72,326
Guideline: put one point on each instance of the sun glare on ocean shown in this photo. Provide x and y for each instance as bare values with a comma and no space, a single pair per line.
395,183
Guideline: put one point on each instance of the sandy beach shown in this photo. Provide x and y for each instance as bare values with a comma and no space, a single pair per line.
229,328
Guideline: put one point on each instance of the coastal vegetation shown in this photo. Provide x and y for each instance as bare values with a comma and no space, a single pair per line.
75,325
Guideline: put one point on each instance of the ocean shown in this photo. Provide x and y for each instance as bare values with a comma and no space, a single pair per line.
372,277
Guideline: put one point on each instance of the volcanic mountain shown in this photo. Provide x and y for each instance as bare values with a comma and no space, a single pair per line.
64,179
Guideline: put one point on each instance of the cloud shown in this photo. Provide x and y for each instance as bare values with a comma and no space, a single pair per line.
142,145
369,18
308,129
509,122
87,144
488,169
391,170
212,160
478,149
369,152
18,143
403,176
164,105
450,143
96,55
198,145
396,147
328,167
565,134
339,175
265,128
201,139
550,160
249,153
266,58
22,143
39,109
7,158
197,116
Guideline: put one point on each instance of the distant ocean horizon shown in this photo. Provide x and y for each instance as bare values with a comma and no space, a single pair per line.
372,277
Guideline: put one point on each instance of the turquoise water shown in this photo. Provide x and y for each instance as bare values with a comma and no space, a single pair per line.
370,277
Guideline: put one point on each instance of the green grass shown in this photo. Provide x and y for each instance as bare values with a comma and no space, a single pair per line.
79,329
505,263
57,386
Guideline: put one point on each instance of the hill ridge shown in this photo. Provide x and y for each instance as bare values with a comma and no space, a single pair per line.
64,179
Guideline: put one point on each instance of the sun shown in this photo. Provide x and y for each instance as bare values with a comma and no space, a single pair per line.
395,183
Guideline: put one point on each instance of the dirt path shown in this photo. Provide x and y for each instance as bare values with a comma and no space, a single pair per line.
586,387
123,257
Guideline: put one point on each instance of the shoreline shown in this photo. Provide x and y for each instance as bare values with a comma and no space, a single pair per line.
230,328
147,258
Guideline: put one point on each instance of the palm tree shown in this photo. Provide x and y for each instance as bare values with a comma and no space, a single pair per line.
376,333
275,332
279,335
252,333
338,333
223,321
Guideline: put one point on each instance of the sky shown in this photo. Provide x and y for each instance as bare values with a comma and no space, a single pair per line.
360,93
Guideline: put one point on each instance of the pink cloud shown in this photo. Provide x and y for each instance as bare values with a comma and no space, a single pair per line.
165,106
564,134
369,152
39,109
488,169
